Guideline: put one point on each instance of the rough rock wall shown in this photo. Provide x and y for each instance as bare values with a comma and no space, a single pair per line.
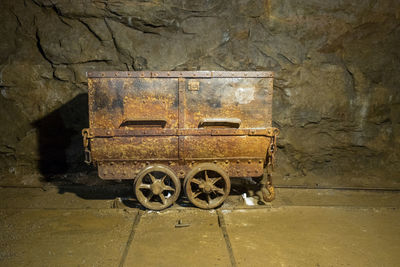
337,64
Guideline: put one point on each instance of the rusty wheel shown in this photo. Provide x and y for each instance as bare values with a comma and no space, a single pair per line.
157,187
207,186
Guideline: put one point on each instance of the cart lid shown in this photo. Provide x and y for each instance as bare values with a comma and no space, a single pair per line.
186,74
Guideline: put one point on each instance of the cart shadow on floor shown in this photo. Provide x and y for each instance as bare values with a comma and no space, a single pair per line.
123,193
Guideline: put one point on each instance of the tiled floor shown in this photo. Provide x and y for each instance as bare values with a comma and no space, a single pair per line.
302,227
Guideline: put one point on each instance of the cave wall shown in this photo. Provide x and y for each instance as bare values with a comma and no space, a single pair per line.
337,65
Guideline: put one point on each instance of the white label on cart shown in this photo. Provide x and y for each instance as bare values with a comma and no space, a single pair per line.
244,95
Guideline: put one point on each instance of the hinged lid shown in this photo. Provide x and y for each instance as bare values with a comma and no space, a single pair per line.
186,74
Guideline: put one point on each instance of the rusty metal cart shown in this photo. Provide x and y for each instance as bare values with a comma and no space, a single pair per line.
203,127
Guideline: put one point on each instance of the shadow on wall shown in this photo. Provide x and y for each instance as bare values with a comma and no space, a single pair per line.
61,154
60,141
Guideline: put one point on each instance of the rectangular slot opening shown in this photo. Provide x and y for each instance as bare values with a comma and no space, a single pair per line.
144,123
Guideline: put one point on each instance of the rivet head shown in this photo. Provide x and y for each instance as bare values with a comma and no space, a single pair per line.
147,163
226,161
249,161
215,162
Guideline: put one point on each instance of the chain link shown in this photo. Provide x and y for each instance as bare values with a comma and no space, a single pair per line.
268,190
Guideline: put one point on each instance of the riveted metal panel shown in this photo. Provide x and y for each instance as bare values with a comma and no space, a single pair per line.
179,119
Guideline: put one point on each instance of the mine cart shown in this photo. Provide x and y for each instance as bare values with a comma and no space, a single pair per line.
196,128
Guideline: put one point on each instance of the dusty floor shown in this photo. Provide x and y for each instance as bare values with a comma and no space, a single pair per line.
86,226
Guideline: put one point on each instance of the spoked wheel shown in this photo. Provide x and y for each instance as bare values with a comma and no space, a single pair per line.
207,186
157,187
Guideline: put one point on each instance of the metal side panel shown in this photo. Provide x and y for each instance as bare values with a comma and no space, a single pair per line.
229,147
131,102
135,148
246,99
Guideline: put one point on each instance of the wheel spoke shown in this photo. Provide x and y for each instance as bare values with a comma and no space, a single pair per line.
213,181
206,175
144,186
197,193
208,199
219,190
162,179
163,199
194,180
150,196
153,179
168,188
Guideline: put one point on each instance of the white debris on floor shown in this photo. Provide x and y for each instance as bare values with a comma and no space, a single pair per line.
250,201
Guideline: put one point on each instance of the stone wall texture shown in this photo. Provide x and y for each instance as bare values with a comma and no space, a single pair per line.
337,65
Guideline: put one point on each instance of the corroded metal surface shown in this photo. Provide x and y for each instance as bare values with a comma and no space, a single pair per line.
180,120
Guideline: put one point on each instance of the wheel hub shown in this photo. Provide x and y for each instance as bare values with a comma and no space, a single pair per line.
156,188
206,187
